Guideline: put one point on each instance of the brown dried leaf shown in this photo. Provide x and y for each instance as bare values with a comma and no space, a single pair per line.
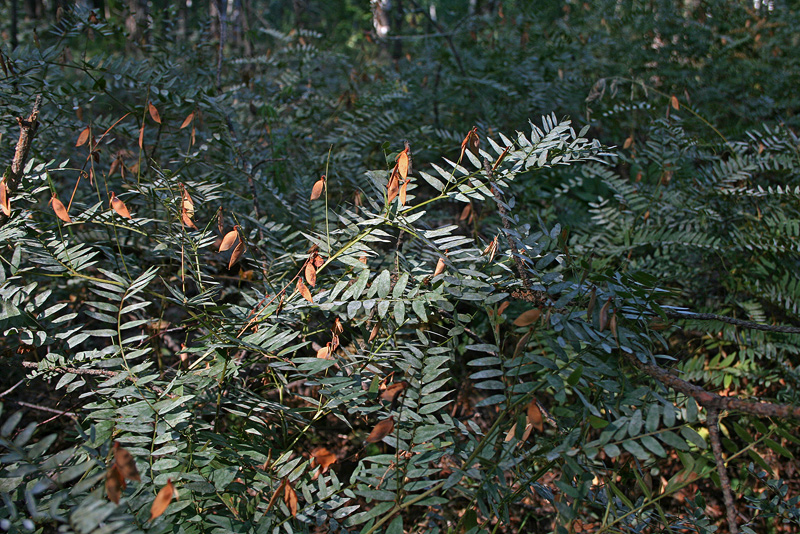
187,220
301,287
510,434
628,143
220,221
325,352
188,120
60,210
471,141
440,265
535,416
319,185
83,137
394,185
323,458
338,328
115,484
590,307
311,274
274,497
403,193
125,463
381,430
673,100
604,315
237,254
465,212
612,325
229,239
153,112
119,206
376,329
491,249
527,318
290,498
402,164
162,500
318,261
141,136
187,203
393,392
523,341
5,201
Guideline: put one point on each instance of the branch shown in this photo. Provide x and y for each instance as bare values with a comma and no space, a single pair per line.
731,320
98,372
712,421
27,132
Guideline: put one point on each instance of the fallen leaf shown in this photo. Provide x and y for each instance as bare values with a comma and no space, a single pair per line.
162,500
83,137
60,210
323,458
188,120
229,239
115,484
119,206
535,416
153,112
290,498
673,100
319,185
125,463
301,287
237,254
381,430
527,318
311,274
440,265
402,164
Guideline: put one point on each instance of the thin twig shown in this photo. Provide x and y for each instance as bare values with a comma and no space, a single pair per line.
97,372
731,320
712,421
44,408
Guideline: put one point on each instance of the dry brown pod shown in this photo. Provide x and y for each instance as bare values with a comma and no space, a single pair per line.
393,391
5,201
301,287
319,186
604,315
311,274
440,265
188,120
527,318
83,137
381,430
402,164
229,239
237,254
154,112
393,187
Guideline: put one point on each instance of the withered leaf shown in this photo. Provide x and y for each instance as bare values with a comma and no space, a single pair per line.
229,239
311,274
628,143
119,206
673,100
83,137
403,193
465,212
471,141
590,307
125,463
5,201
402,164
153,112
162,500
376,329
186,202
510,434
274,497
604,315
491,249
527,318
188,120
323,458
187,220
535,416
440,265
318,261
301,287
237,254
141,136
393,391
115,484
612,325
220,221
381,430
290,498
60,210
325,352
502,307
316,191
337,327
522,343
393,187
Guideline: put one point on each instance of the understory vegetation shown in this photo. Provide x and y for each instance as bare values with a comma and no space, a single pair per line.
507,268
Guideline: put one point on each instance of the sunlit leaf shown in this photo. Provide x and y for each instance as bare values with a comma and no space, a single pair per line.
60,210
527,318
229,239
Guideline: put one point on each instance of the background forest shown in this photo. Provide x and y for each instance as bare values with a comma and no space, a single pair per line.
423,266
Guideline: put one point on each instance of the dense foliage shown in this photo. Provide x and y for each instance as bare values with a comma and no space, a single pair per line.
455,329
